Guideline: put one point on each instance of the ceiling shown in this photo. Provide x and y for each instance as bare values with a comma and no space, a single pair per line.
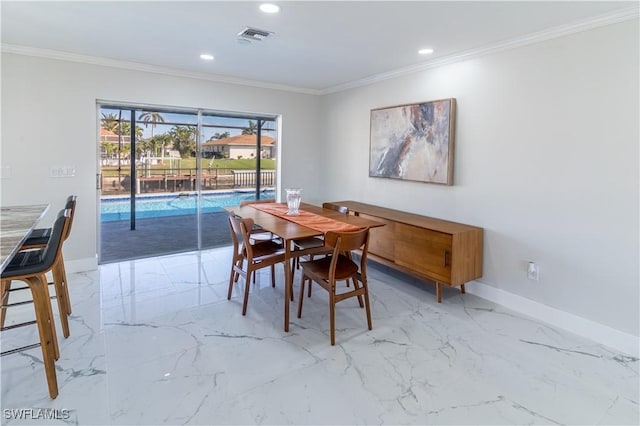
317,46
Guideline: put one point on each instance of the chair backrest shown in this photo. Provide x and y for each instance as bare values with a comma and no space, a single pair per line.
346,242
70,205
336,207
263,200
240,233
53,249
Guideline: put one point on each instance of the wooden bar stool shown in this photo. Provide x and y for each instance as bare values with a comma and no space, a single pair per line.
31,267
38,240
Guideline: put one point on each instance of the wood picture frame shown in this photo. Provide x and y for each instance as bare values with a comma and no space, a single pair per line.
414,142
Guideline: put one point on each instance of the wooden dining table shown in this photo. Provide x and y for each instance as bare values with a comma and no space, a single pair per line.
289,231
16,223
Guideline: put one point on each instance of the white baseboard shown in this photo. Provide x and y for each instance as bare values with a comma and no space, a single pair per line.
81,265
597,332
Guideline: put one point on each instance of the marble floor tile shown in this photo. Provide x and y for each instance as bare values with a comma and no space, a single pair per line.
156,342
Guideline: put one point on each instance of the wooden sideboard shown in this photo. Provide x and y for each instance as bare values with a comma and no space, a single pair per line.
445,252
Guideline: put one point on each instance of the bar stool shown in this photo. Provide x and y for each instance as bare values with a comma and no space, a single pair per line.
38,239
31,267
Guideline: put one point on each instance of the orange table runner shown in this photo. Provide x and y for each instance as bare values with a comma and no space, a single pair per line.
310,220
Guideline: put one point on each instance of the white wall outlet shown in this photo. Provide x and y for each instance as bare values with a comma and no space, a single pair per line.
533,273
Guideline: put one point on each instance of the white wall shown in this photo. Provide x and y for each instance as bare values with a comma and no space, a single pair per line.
49,118
546,161
546,156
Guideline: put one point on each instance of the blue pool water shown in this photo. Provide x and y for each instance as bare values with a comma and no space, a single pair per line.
173,205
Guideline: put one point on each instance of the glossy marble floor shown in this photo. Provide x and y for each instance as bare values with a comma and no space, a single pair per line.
155,341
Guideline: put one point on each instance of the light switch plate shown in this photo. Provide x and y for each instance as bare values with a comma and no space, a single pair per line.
62,171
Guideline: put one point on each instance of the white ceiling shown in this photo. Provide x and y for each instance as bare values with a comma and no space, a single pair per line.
318,46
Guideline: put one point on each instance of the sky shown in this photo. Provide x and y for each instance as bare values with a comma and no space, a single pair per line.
189,119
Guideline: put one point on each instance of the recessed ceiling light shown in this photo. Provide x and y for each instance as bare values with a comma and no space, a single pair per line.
269,8
425,51
206,57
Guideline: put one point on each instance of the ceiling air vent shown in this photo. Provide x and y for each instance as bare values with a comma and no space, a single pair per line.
254,34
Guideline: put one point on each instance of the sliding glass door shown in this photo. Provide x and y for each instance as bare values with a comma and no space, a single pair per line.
167,176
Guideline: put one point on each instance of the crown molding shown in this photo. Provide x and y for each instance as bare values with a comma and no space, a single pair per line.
549,34
137,66
552,33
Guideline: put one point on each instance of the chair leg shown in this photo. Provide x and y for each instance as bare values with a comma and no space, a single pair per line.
366,302
49,308
355,288
5,286
301,299
65,286
332,317
291,287
46,330
247,284
63,309
232,279
273,276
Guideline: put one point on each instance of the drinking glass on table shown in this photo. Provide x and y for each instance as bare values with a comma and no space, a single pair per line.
293,200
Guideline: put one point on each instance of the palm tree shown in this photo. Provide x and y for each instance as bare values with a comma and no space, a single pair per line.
184,139
153,118
150,117
220,135
109,122
125,129
251,130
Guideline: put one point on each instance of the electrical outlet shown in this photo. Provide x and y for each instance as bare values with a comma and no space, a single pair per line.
533,273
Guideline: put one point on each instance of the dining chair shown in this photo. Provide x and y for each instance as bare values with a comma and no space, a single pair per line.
38,240
316,242
313,242
337,267
31,267
257,254
257,233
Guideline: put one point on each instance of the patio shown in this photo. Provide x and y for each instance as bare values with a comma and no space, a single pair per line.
159,236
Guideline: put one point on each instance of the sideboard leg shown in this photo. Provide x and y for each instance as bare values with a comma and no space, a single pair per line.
462,289
438,292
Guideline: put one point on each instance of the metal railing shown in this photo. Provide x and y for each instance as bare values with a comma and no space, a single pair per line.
114,182
247,178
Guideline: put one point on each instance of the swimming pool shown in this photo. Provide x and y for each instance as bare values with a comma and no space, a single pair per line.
173,205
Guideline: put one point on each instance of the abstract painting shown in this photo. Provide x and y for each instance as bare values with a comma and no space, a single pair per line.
414,142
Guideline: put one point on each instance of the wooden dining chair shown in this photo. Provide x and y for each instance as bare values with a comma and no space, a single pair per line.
337,267
314,242
257,233
38,240
32,267
256,254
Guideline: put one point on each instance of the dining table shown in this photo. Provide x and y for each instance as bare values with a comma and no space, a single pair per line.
273,218
16,224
